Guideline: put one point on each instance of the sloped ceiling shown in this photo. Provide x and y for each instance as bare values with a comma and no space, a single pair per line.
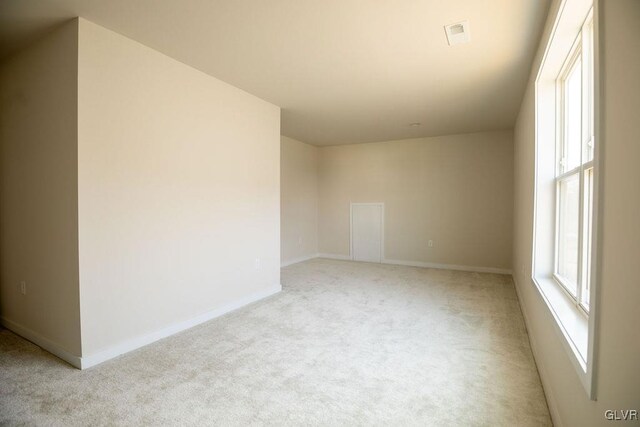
343,71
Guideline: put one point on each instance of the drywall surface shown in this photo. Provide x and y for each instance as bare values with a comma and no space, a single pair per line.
455,190
179,207
38,190
618,349
298,200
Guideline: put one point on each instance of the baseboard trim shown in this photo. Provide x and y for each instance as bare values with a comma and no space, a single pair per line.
549,396
424,264
146,339
335,256
297,260
447,266
41,342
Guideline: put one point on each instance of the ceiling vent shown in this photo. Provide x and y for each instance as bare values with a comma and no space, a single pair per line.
457,33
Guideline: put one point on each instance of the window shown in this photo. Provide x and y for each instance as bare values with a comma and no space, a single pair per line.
574,169
567,184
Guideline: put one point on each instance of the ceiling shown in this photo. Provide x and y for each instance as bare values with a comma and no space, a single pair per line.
343,71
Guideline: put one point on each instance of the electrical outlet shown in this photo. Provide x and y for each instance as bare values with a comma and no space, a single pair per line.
300,241
257,263
23,287
430,243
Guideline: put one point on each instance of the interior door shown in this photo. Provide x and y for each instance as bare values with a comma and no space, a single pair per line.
366,231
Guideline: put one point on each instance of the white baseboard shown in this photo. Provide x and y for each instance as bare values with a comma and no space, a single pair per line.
297,260
135,343
335,256
425,264
41,342
85,362
447,266
551,402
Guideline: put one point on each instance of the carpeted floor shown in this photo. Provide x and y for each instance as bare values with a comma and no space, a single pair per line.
344,344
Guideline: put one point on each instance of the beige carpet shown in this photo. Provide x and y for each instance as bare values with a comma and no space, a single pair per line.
344,344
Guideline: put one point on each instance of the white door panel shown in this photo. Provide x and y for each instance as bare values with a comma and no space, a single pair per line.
366,231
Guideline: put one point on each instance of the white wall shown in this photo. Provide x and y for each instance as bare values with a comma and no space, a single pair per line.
178,187
618,349
38,193
298,200
455,190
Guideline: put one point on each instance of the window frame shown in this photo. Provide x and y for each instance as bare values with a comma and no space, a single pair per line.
578,332
581,52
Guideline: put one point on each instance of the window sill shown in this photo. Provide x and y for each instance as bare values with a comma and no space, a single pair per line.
571,321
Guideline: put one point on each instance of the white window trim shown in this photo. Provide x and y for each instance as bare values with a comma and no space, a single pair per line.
577,53
571,321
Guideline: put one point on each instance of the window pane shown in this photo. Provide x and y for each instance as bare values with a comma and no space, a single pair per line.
573,117
588,225
568,228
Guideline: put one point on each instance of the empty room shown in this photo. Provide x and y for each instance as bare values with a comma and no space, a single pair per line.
326,213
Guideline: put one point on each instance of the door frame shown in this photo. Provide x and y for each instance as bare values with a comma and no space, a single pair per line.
381,204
